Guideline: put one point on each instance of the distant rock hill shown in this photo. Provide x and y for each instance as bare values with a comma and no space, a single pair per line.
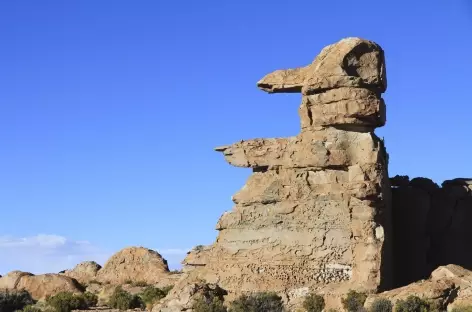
132,265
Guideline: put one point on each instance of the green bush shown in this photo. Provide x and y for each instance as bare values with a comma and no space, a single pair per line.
167,289
354,301
66,302
31,308
314,303
151,295
123,300
462,309
199,247
412,304
12,301
214,305
91,300
381,305
258,302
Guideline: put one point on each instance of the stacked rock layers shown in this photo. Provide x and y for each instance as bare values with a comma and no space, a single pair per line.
315,211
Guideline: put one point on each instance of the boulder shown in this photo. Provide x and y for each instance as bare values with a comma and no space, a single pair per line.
448,287
182,298
135,264
11,280
84,272
41,286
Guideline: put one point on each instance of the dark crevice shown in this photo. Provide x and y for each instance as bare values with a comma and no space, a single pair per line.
260,169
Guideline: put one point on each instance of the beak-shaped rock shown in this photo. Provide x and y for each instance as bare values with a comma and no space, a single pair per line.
284,81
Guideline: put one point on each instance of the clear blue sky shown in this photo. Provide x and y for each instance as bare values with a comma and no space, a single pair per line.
109,110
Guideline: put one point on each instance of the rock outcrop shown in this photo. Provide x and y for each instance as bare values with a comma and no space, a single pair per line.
84,272
11,280
315,211
431,226
134,264
182,298
448,287
39,286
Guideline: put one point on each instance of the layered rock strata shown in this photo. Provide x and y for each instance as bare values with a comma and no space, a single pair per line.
315,211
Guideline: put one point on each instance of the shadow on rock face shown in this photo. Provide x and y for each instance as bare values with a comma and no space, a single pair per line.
431,226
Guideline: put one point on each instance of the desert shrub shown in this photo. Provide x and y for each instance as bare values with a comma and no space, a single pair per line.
91,300
354,301
31,308
66,302
123,300
140,284
381,305
167,289
12,301
258,302
462,308
214,304
412,304
151,295
199,247
314,303
128,281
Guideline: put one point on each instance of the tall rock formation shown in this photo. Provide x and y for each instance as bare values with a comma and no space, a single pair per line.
315,211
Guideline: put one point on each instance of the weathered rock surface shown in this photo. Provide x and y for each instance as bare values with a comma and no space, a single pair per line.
11,280
351,62
314,214
84,272
329,147
448,286
39,286
134,264
183,297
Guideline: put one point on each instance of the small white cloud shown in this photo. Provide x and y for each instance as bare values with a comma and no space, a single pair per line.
45,253
42,240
